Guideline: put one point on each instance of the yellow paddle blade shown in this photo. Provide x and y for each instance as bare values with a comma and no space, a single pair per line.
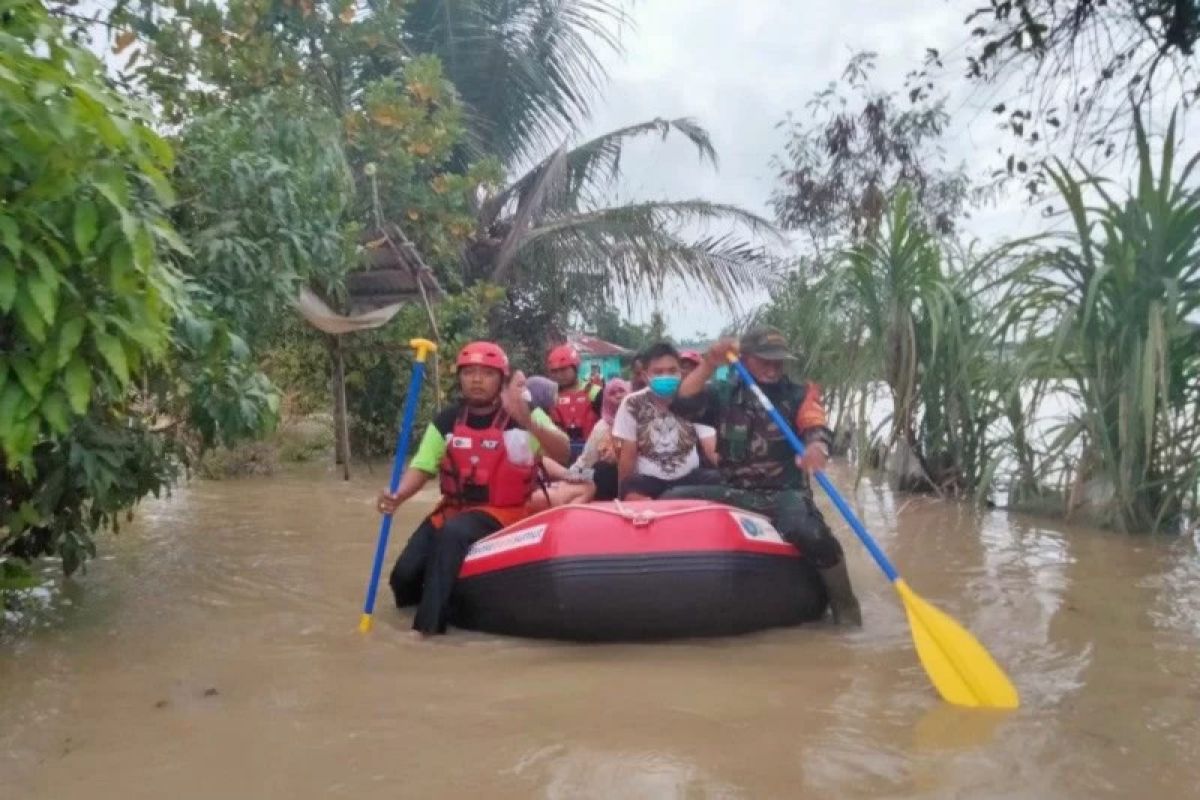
961,670
364,623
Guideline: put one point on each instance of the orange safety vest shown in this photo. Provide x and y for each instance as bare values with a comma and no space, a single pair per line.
574,414
476,473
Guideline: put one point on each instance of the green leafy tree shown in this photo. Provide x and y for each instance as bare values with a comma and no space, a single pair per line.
86,298
109,357
264,188
525,71
397,116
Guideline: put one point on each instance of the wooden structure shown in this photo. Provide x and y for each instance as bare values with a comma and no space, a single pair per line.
393,273
389,276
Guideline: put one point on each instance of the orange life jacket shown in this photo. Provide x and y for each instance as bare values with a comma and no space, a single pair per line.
574,414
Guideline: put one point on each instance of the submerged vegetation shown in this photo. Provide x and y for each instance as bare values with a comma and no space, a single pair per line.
971,345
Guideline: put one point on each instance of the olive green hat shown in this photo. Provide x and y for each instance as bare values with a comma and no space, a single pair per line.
765,342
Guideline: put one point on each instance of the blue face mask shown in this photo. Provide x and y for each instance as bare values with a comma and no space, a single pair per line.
665,385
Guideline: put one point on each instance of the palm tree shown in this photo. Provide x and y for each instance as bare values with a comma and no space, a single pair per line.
527,71
552,220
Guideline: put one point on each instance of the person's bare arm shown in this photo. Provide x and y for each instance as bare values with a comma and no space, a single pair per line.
626,460
554,470
717,355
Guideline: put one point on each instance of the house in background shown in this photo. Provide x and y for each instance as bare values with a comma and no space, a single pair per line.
611,358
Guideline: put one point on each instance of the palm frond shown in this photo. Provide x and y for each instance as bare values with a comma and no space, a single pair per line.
526,69
641,246
532,204
595,165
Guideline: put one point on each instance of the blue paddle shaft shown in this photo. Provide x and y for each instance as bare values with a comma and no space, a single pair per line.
402,442
868,541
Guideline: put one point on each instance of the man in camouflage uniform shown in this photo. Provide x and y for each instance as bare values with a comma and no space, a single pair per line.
760,471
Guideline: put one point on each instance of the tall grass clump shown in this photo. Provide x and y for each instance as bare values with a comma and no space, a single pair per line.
1121,299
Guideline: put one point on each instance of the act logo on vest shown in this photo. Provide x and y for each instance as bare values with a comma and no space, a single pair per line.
481,467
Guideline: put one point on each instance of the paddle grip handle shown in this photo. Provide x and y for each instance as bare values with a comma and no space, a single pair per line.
423,347
868,541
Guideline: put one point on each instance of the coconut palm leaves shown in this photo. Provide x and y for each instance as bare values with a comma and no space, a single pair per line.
551,222
526,69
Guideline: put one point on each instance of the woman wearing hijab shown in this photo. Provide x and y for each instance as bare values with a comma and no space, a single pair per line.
593,476
543,393
600,452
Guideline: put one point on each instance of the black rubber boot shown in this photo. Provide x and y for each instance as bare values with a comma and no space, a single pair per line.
842,601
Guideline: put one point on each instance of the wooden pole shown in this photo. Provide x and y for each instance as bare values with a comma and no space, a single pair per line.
341,426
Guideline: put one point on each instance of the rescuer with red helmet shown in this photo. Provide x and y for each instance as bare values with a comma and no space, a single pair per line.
579,402
484,451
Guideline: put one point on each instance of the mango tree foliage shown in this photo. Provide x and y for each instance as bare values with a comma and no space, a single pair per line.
347,61
87,300
409,127
112,362
85,296
263,189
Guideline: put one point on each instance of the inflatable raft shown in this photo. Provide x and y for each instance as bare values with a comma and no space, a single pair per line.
628,571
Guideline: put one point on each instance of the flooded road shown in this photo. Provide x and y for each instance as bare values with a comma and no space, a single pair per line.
214,654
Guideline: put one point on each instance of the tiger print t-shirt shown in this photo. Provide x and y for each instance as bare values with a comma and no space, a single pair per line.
666,444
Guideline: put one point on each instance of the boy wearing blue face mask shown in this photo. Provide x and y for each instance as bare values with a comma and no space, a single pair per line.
658,450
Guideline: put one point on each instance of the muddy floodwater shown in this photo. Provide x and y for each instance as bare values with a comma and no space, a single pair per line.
213,653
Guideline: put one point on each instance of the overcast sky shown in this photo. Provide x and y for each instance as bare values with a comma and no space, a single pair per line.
738,66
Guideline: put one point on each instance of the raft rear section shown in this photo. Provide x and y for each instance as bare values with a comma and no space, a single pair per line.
604,572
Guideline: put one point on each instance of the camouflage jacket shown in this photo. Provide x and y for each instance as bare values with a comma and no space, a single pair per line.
754,453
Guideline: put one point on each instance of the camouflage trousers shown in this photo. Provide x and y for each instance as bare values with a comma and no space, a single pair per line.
791,511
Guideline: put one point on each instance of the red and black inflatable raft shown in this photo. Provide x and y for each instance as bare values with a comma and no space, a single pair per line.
649,570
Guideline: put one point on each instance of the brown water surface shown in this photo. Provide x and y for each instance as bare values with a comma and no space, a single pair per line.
213,654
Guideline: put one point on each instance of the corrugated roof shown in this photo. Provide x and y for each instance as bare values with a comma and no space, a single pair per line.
591,346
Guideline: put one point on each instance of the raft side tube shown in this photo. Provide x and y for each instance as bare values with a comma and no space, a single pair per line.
636,571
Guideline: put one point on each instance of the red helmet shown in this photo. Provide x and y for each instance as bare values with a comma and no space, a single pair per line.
483,354
563,356
692,356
